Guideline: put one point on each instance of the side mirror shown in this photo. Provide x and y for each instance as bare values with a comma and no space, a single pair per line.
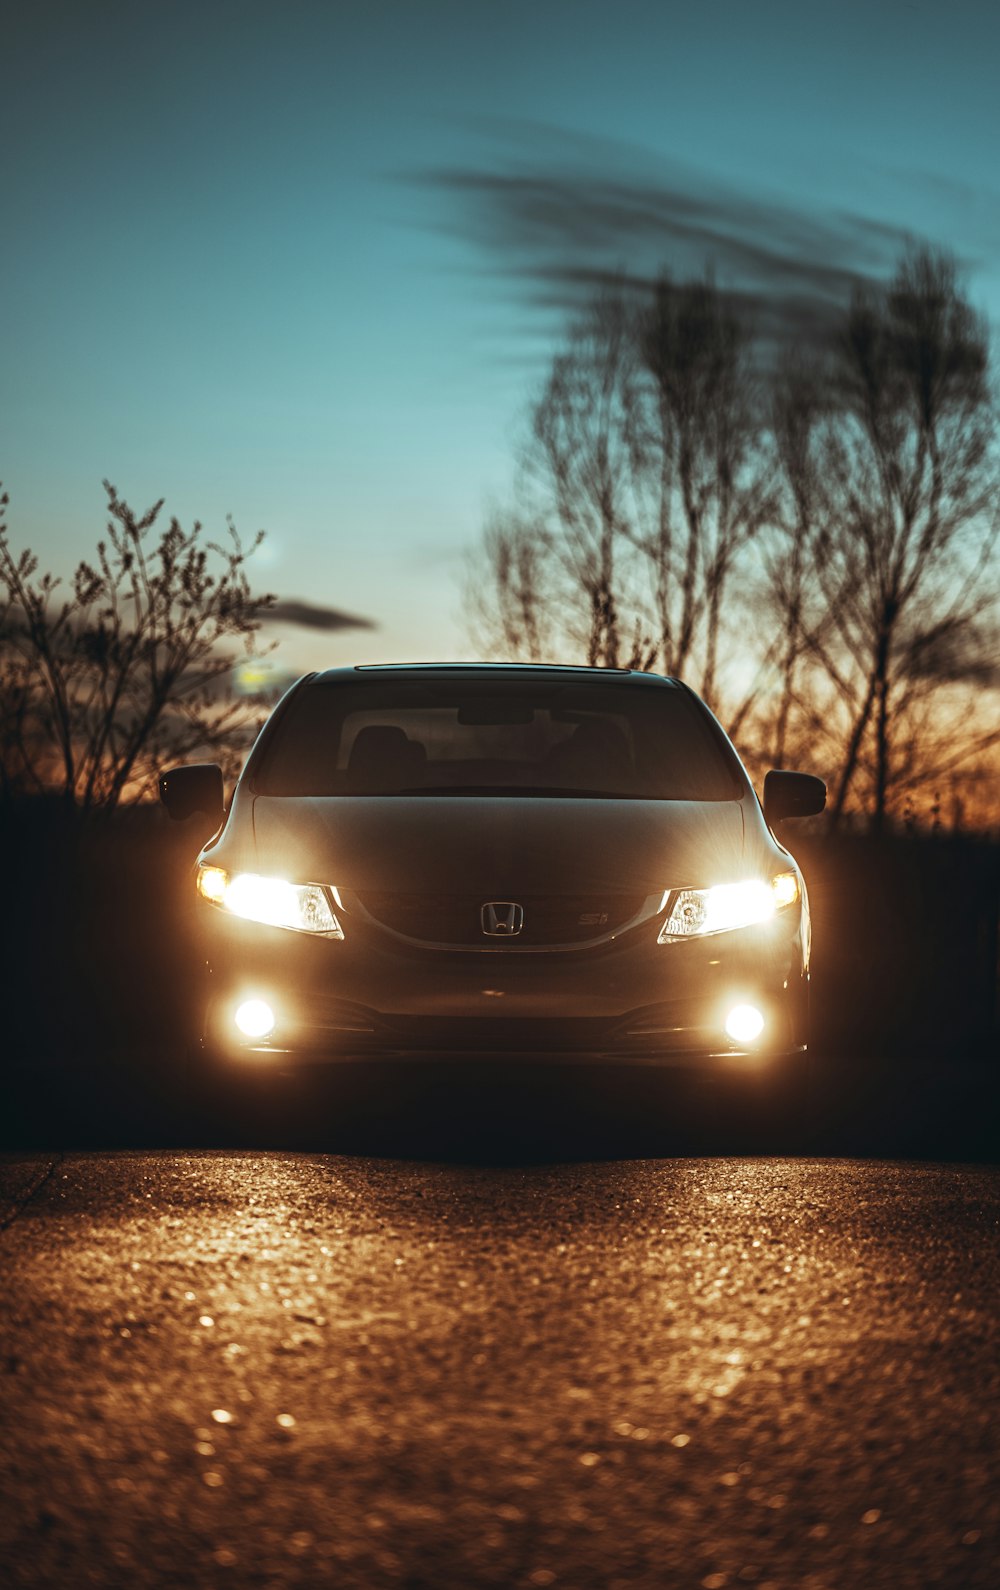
187,790
792,795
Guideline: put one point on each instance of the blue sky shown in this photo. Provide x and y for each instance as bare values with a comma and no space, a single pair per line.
233,275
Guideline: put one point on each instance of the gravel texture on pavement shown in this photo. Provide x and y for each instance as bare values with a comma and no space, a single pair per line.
298,1369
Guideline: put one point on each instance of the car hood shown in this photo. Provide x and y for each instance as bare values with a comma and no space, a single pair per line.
499,847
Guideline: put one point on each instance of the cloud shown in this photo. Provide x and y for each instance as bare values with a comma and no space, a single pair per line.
310,617
559,216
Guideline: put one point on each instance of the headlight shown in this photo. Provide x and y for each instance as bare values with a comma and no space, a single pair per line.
303,907
696,912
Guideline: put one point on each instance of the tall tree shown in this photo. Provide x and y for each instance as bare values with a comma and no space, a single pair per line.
644,479
707,467
912,476
580,459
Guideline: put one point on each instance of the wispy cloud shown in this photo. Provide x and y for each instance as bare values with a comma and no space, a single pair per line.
308,616
559,216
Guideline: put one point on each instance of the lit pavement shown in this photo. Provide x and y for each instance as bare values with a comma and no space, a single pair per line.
283,1369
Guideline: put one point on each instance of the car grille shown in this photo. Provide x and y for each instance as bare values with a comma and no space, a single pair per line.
457,919
508,1037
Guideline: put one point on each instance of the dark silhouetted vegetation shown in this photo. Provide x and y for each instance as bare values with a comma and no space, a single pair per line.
127,667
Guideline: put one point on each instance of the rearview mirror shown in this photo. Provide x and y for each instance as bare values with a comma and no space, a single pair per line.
474,713
199,788
792,795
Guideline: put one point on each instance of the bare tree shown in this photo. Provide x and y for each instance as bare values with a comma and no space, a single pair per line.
789,585
707,467
127,670
913,475
671,474
877,570
510,608
580,458
645,478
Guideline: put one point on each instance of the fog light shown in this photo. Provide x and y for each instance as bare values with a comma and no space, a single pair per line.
744,1023
255,1019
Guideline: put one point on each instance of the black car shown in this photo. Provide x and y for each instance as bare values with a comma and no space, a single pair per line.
487,858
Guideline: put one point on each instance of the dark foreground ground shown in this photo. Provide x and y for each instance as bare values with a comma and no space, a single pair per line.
269,1369
945,1106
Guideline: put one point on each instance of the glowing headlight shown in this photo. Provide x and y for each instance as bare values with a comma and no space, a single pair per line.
696,912
254,1018
303,907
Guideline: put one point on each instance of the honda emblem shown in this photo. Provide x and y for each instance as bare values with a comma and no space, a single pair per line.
502,919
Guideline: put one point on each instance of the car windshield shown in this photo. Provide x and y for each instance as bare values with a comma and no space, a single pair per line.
530,737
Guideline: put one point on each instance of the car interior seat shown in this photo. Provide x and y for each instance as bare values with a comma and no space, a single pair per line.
594,751
384,758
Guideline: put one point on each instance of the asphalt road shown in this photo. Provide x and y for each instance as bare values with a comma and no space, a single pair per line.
275,1369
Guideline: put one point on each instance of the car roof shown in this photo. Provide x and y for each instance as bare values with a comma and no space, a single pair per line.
484,670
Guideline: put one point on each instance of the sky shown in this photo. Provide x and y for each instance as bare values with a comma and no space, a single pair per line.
305,263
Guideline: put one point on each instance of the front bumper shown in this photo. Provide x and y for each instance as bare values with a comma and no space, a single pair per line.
373,995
